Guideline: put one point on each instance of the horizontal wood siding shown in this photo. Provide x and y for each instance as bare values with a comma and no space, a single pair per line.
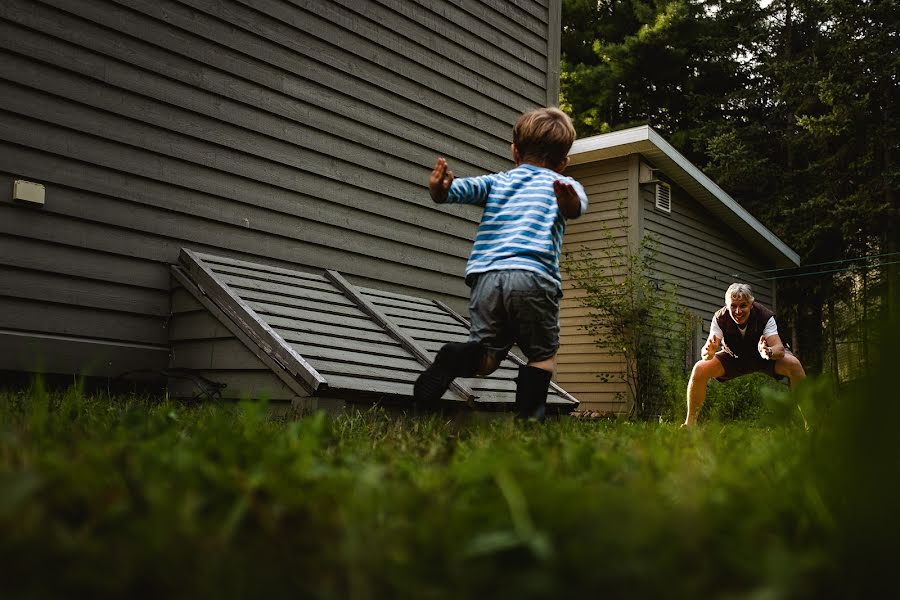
201,344
606,222
295,133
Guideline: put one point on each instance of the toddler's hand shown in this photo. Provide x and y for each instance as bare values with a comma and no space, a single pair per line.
440,180
764,350
567,199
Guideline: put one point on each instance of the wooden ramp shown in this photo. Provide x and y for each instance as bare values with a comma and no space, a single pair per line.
284,334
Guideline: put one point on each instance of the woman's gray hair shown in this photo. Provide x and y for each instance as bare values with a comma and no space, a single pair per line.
739,290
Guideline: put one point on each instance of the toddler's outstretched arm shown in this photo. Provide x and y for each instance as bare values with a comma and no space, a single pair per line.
440,180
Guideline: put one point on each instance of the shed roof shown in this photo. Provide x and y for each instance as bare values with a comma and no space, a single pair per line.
646,141
331,338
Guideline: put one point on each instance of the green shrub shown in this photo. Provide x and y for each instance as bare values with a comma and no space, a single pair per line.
743,399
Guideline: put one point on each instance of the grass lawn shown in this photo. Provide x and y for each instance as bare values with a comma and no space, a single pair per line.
131,496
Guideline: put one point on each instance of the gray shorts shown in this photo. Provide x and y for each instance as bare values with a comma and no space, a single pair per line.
736,367
515,307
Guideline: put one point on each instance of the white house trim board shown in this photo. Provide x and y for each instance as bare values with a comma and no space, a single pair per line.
646,141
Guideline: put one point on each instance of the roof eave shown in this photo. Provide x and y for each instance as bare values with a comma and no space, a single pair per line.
647,142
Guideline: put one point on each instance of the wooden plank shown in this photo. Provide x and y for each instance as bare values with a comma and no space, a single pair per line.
268,302
362,371
239,385
528,24
382,296
199,325
78,291
44,353
311,317
485,48
278,293
250,324
400,302
586,353
601,170
608,190
427,315
421,335
182,301
216,354
522,11
408,343
262,275
451,328
605,199
298,386
610,220
596,234
403,390
225,264
339,342
40,255
432,346
594,387
508,400
505,390
28,314
292,326
397,360
263,294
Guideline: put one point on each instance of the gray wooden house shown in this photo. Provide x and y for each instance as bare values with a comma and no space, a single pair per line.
639,184
274,140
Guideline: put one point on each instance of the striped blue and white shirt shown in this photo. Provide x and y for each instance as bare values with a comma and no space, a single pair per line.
521,227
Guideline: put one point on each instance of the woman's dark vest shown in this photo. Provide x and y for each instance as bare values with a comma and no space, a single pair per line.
744,346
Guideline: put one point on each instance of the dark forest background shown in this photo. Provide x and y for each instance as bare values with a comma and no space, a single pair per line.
790,106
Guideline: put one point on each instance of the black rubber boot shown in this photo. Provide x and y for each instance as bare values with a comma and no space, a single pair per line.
456,359
532,386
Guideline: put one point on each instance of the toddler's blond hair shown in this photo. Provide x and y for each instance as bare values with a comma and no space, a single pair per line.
545,134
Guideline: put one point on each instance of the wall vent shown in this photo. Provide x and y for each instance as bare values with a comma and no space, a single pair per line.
664,196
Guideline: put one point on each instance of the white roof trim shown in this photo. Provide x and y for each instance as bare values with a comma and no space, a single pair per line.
645,140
